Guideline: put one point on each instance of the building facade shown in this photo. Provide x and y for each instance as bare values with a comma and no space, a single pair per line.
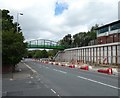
109,33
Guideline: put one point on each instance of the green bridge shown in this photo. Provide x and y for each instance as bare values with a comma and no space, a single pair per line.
44,44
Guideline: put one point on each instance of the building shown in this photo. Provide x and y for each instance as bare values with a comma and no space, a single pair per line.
109,33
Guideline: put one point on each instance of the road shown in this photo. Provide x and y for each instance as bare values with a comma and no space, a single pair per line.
64,81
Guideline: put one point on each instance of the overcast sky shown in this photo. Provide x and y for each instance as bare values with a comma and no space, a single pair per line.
53,19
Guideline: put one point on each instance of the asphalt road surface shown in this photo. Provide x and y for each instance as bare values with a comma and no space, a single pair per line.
64,81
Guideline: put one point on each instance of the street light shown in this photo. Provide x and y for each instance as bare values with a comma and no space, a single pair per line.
18,19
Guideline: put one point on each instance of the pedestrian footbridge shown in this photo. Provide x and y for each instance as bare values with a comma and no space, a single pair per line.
44,44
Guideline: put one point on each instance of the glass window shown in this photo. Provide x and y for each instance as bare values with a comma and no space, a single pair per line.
115,26
103,30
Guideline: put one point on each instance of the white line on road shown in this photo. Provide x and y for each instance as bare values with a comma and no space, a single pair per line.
47,67
98,82
30,68
60,71
53,91
46,86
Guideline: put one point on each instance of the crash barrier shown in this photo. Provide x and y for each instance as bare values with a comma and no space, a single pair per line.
71,66
84,67
107,71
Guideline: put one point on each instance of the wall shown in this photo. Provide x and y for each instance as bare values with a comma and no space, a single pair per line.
108,54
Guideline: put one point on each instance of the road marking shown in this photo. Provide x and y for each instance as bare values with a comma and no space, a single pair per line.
98,82
31,77
55,69
46,86
31,68
53,91
11,79
60,71
47,67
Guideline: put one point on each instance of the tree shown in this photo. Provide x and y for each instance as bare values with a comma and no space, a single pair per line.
79,39
66,41
52,53
44,54
83,38
13,47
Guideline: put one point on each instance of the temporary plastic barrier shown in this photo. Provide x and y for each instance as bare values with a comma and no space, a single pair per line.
84,67
107,71
62,64
46,62
66,64
56,63
72,66
59,63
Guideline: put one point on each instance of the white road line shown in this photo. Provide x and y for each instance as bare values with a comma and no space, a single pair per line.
60,71
98,82
30,68
53,91
55,69
11,79
47,67
46,86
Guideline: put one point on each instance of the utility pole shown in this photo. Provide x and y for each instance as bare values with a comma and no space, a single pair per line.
18,19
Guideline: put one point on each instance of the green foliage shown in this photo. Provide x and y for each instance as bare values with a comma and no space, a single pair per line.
13,48
38,54
52,53
42,53
66,41
80,39
30,54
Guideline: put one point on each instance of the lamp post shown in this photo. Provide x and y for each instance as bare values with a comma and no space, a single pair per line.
18,19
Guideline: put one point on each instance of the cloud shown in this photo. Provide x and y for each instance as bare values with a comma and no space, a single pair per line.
40,21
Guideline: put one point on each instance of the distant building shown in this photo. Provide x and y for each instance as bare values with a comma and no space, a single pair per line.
109,33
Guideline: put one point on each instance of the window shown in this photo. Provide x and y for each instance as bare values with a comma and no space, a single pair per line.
115,26
103,30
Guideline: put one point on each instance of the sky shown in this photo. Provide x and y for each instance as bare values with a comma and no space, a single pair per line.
53,19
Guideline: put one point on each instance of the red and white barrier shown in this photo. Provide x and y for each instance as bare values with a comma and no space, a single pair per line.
71,66
107,71
62,64
84,67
